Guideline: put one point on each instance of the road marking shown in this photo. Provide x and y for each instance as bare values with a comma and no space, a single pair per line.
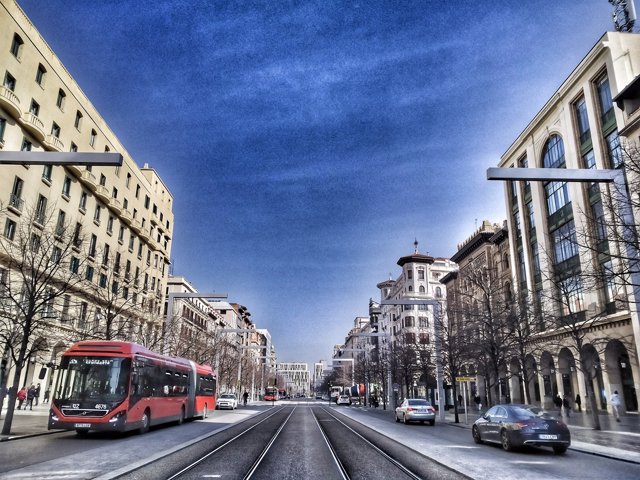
212,476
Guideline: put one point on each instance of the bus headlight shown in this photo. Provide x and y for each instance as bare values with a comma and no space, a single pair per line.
118,417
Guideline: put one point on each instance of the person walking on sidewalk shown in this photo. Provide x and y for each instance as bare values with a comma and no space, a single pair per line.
245,396
46,396
31,394
615,405
578,402
22,396
566,403
35,399
558,403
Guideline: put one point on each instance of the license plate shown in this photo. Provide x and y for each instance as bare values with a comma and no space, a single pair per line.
548,437
81,425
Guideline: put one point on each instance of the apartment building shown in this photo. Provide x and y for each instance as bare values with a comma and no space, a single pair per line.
558,235
122,216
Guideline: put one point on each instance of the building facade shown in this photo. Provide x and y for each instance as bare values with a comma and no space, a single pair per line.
563,254
122,217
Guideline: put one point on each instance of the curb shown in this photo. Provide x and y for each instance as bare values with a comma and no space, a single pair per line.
30,435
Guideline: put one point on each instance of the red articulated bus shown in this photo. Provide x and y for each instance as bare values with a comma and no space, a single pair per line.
270,394
120,386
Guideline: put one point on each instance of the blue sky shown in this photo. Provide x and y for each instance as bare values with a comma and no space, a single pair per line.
307,144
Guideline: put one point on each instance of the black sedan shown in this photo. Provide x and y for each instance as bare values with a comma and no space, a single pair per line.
517,425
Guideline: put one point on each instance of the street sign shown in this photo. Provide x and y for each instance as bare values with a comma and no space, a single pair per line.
465,379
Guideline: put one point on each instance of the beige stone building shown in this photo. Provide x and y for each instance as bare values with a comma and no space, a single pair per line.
578,128
124,214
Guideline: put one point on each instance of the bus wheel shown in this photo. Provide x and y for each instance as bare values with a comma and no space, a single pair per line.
181,419
82,431
146,421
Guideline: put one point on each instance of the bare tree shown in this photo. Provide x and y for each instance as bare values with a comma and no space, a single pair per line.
40,259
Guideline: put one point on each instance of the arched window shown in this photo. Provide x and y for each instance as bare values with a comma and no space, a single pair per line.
507,292
438,292
422,289
554,153
410,288
506,260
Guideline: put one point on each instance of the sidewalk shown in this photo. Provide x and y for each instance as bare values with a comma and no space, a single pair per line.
619,440
27,423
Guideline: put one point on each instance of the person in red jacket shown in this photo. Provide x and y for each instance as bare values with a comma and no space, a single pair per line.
22,396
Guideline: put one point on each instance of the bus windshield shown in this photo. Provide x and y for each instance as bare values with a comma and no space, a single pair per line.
93,379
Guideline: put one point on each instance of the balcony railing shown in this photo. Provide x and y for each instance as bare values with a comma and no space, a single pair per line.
34,125
51,142
10,101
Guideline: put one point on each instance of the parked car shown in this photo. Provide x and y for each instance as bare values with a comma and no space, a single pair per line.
516,425
227,400
343,400
416,410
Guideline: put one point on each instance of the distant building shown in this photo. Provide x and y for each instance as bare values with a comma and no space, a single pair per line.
294,377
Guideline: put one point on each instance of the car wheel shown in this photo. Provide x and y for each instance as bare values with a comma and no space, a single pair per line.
560,450
432,422
505,440
404,420
181,418
146,421
397,419
476,434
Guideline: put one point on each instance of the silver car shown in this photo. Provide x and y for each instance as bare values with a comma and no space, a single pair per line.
416,410
227,400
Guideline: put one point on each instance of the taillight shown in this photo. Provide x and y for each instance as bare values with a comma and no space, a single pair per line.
409,409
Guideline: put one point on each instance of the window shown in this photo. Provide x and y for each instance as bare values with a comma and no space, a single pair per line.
74,264
422,289
557,196
105,255
103,179
3,125
40,73
55,130
41,209
114,192
96,216
116,263
589,160
103,280
78,121
421,274
66,303
564,242
92,246
77,235
137,191
582,120
614,150
15,200
35,242
530,218
128,181
61,99
424,338
16,46
61,222
46,172
571,293
66,186
438,292
9,81
56,255
34,108
89,273
554,153
409,271
10,229
92,138
600,224
26,145
604,99
74,147
423,322
132,240
82,316
121,234
110,224
147,200
83,201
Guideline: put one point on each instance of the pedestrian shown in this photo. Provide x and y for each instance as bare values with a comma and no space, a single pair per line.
245,396
46,396
476,399
31,394
566,403
615,405
37,394
578,402
558,402
22,396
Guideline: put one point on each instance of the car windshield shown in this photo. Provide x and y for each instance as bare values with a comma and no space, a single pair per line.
228,395
418,403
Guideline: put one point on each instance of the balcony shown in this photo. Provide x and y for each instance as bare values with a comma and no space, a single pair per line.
89,179
76,170
102,193
51,142
16,204
34,125
126,217
144,234
10,102
135,225
115,205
